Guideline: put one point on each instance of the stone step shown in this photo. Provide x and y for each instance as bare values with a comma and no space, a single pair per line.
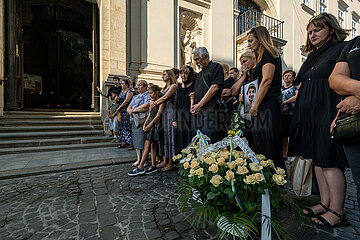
15,129
45,113
53,141
56,148
48,118
17,122
62,134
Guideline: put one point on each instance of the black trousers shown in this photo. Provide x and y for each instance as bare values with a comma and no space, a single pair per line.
212,123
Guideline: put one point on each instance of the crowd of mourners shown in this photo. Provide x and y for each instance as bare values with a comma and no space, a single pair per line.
285,114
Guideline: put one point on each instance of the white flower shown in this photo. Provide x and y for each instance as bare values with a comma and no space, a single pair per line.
216,180
255,167
280,171
230,175
199,172
259,177
214,168
242,170
250,179
279,179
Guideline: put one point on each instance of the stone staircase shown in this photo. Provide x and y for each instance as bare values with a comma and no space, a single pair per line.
28,131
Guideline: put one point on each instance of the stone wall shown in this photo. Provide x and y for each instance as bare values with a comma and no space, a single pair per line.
1,56
112,44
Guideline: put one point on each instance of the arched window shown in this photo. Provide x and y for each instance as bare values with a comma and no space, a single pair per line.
244,5
249,16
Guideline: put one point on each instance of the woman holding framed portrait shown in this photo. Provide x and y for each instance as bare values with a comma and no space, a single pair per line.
265,106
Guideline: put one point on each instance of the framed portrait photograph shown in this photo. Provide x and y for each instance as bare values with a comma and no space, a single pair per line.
250,91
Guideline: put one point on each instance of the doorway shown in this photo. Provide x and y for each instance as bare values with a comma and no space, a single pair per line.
56,52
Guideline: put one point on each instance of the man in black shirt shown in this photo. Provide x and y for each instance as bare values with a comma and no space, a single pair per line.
116,87
209,116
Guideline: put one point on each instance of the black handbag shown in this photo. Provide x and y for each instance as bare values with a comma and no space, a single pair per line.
347,129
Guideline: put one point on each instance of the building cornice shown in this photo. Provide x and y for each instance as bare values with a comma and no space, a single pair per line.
355,14
343,3
202,3
308,9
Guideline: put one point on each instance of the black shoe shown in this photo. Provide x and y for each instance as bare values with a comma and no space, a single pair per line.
111,135
151,170
136,171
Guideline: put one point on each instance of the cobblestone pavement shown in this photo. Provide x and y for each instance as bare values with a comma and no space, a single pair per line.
104,203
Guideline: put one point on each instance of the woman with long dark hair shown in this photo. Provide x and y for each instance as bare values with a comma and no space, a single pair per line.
265,109
124,122
168,143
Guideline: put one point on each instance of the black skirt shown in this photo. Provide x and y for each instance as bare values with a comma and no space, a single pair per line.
266,130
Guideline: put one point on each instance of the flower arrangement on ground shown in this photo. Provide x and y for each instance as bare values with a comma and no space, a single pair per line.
226,183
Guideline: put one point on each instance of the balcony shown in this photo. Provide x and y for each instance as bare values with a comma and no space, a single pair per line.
251,18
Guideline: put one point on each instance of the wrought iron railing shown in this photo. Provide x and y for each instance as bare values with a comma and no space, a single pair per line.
251,18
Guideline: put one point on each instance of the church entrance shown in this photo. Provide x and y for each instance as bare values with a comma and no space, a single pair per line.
56,54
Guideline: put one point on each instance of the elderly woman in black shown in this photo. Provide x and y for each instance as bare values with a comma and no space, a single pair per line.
182,118
314,111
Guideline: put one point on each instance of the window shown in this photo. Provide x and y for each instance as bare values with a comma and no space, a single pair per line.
341,16
322,7
307,2
244,5
354,23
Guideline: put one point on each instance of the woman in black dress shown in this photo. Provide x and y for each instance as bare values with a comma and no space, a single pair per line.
182,118
315,109
265,110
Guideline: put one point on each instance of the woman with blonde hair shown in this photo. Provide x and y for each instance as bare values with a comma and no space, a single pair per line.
314,111
265,110
168,98
247,60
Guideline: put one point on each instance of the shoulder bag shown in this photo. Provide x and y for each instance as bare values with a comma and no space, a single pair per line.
347,129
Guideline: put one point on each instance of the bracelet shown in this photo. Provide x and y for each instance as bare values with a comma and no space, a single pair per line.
254,109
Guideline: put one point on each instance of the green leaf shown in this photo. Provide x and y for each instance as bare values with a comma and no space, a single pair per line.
210,196
260,189
275,203
231,194
227,190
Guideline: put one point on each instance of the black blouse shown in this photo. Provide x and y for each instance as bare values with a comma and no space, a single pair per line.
275,88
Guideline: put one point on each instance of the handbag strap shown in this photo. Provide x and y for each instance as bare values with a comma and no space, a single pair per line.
142,97
203,78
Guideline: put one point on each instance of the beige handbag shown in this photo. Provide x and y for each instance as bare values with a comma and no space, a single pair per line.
139,118
301,176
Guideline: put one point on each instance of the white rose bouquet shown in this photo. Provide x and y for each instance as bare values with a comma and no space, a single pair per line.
226,182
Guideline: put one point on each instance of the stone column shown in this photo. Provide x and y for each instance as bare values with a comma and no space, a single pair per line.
112,44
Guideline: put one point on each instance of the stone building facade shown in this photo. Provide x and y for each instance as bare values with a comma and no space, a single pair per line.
87,42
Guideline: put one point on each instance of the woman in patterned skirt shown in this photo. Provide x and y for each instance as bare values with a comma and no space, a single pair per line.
124,121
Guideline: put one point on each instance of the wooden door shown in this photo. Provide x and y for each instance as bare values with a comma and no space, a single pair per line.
2,78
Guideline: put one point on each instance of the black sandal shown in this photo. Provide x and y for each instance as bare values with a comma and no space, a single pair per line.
343,221
311,212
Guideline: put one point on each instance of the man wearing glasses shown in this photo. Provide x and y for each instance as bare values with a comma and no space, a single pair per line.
209,116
